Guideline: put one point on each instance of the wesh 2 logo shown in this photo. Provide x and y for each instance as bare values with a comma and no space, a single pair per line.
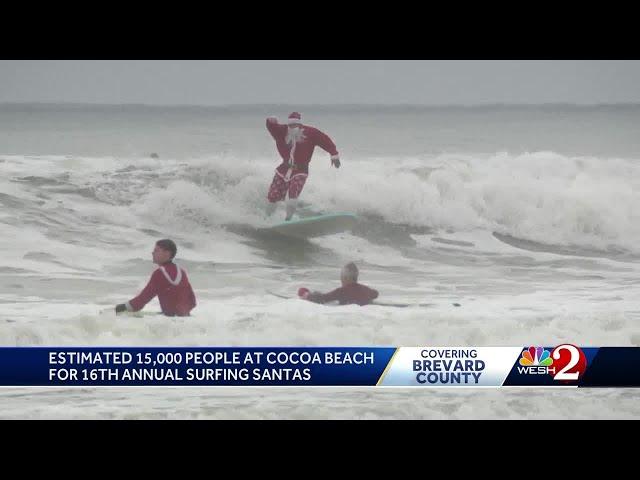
565,363
536,361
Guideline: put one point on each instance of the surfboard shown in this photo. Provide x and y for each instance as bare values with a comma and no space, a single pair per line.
316,226
139,314
404,305
380,304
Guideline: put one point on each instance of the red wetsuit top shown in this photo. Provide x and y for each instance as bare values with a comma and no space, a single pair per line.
347,295
302,149
171,284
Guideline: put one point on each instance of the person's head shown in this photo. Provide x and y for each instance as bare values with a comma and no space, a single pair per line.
349,274
295,119
294,128
164,252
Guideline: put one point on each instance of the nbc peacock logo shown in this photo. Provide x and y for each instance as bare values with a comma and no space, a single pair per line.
536,361
535,356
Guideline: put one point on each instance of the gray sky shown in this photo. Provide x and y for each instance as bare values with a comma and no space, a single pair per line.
320,82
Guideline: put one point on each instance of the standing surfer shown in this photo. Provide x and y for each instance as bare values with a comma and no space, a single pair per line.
295,143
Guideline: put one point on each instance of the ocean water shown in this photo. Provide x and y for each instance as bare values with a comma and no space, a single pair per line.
526,216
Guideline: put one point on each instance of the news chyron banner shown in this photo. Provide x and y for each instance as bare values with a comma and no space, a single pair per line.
563,365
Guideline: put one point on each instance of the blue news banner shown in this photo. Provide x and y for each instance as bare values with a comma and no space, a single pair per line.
564,365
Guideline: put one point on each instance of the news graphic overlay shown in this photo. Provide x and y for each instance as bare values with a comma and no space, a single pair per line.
450,366
42,366
562,366
565,365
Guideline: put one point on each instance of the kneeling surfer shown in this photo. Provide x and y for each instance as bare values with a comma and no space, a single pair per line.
169,282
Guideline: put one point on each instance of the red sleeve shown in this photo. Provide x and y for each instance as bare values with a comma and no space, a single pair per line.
147,294
326,297
374,293
275,129
324,142
192,296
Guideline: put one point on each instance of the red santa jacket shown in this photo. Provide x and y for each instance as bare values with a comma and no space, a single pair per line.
299,152
171,284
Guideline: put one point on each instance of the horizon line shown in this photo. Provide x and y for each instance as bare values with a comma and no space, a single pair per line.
328,105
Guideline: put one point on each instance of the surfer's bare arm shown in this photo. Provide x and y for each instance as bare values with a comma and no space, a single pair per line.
324,142
147,294
275,129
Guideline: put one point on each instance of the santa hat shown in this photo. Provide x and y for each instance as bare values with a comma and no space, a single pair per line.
303,292
295,118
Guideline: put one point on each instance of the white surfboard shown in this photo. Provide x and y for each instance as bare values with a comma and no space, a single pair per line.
314,226
380,304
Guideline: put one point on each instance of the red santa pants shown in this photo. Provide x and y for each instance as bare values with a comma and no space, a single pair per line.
280,186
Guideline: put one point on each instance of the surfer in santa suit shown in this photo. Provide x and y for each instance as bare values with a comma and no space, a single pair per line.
169,282
295,143
351,292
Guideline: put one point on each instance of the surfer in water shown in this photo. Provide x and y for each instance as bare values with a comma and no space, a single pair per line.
295,143
169,282
350,293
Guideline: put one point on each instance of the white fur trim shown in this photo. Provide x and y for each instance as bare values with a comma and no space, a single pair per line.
289,176
334,157
129,307
294,121
175,282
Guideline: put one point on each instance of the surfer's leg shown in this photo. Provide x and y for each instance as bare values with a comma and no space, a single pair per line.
295,188
277,190
292,204
271,207
277,193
